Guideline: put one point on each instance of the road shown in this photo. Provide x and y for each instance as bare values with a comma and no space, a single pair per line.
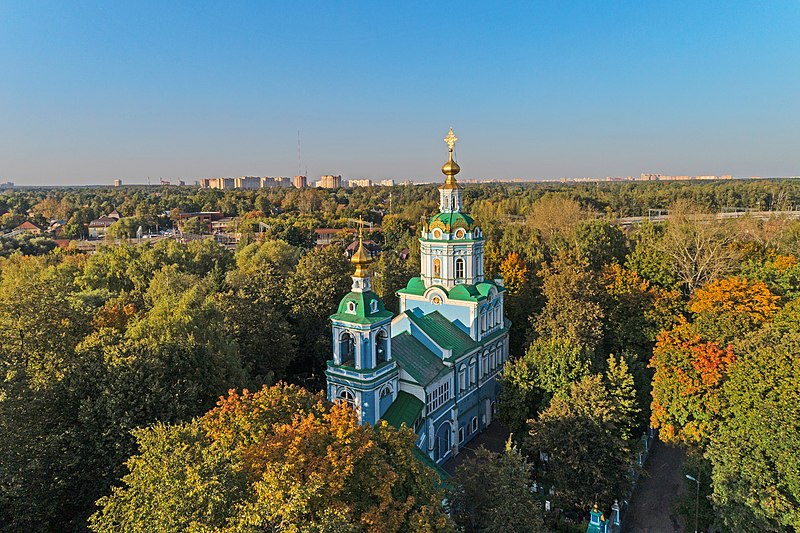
652,507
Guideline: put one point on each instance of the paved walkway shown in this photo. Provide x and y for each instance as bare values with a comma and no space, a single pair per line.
652,507
493,438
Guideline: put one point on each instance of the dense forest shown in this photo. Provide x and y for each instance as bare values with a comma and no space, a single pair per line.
172,387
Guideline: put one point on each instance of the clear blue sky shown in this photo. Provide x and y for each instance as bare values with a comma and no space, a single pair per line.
91,91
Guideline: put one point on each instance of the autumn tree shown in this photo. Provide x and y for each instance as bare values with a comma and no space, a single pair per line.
689,373
278,459
647,259
781,273
727,309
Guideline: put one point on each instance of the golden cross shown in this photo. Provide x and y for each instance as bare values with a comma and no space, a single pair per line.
451,139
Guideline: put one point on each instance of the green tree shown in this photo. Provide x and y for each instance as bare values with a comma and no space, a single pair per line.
754,452
314,290
599,243
194,226
620,385
647,258
491,492
390,274
588,460
572,310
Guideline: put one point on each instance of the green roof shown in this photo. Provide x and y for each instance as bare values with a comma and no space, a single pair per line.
451,221
404,410
485,286
464,292
414,286
363,308
422,365
444,333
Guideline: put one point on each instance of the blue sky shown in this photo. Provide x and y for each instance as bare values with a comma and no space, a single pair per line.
92,91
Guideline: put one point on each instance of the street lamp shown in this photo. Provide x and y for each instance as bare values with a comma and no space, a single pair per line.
697,501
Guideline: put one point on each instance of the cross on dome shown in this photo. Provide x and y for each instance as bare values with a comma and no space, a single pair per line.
451,139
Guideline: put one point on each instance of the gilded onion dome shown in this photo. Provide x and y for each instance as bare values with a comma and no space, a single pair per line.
360,259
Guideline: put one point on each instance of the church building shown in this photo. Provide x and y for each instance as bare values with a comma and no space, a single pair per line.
434,366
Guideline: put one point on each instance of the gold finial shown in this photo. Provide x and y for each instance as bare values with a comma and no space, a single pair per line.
451,168
451,139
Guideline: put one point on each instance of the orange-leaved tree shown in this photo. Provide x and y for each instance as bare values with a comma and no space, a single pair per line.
689,373
280,459
515,271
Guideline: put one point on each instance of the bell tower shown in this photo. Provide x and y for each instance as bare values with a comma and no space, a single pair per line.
362,372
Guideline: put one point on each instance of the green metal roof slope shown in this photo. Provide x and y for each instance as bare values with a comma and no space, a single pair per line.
444,333
415,358
414,286
451,221
363,308
404,410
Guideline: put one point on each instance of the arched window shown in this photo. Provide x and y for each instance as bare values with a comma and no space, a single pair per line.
347,397
373,306
485,363
437,267
492,360
347,349
459,268
351,307
462,379
453,203
381,348
473,372
386,391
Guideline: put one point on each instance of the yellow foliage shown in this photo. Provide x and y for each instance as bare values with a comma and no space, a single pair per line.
737,296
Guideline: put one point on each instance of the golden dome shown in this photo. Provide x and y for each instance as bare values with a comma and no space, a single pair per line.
360,259
451,168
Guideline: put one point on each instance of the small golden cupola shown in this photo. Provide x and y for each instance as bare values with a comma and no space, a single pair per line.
451,168
361,260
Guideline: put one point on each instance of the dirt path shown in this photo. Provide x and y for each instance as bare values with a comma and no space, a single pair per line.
651,509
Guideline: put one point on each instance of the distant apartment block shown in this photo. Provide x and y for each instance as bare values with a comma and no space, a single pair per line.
662,177
300,182
117,183
387,183
359,183
330,182
246,182
7,185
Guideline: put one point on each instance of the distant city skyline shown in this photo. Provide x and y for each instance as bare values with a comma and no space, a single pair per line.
93,92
